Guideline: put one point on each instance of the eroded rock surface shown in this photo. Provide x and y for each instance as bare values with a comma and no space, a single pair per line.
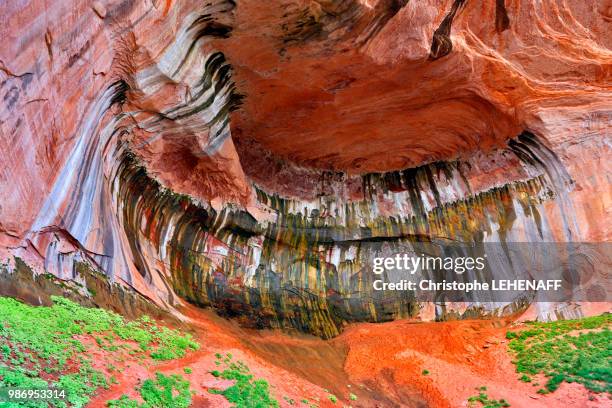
247,155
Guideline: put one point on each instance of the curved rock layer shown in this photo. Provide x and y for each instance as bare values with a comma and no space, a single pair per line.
311,267
256,157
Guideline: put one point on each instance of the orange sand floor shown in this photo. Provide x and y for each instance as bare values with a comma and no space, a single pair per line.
382,364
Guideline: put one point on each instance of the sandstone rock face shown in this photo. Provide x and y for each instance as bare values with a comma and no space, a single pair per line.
248,155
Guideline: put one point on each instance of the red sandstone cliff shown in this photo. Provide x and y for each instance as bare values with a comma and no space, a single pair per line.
301,98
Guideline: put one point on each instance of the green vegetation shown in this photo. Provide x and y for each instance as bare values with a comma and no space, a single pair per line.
352,397
246,392
308,403
569,350
39,347
485,401
332,398
163,392
425,372
187,370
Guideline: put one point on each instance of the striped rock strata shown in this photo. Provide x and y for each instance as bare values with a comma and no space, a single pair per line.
256,156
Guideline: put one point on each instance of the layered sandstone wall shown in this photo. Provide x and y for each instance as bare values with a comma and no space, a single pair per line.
245,155
57,63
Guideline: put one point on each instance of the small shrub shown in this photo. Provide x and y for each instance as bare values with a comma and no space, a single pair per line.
246,392
164,392
485,402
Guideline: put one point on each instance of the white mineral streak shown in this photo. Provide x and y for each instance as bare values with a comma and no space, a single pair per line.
82,204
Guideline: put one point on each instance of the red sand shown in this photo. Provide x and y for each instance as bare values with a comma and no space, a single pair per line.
380,363
460,357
